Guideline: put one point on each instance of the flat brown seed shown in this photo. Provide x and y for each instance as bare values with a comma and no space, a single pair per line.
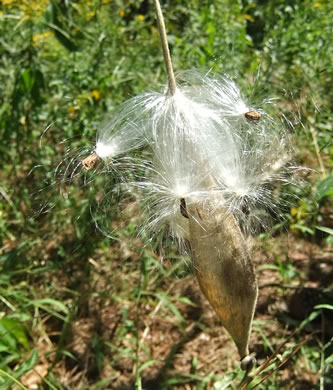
90,161
253,116
183,209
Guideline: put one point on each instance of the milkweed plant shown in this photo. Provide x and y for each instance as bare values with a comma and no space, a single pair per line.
207,172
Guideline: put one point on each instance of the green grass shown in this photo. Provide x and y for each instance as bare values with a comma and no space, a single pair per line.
83,308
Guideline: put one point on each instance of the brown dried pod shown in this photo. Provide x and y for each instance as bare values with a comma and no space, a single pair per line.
252,116
90,161
224,269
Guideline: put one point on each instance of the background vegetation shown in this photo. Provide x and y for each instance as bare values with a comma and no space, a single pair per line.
80,310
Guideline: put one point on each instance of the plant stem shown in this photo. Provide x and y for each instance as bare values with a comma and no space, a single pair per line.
316,146
165,49
19,384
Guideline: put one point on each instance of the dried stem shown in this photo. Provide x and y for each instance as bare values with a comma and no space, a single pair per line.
165,49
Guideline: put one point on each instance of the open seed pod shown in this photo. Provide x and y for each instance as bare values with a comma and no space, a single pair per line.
224,269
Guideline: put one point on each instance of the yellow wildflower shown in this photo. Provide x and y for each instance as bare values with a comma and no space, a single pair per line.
7,2
95,94
292,228
141,18
32,8
90,15
72,110
293,211
39,37
249,18
316,5
122,13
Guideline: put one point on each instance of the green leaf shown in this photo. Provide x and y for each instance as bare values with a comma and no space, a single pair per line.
28,364
146,365
8,360
19,316
28,79
8,383
309,319
325,188
329,360
303,229
9,256
3,347
15,329
7,338
325,229
324,306
171,306
44,302
187,301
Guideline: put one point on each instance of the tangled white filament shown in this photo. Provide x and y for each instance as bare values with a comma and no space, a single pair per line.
203,140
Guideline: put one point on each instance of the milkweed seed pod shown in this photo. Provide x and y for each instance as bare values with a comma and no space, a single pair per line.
224,269
208,170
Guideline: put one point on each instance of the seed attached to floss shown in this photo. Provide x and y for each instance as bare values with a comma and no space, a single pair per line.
253,116
89,162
